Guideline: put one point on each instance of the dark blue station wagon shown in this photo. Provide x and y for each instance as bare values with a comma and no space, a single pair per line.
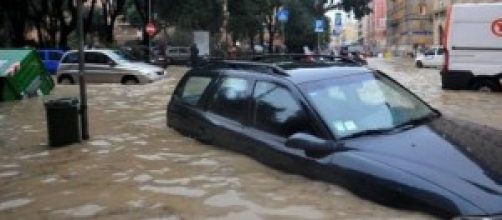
344,124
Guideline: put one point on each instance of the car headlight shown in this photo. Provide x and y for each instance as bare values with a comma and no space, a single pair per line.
478,218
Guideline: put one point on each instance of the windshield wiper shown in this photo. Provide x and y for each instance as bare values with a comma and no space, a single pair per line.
419,120
369,132
404,126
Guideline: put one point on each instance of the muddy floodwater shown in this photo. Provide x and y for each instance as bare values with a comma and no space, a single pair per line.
134,167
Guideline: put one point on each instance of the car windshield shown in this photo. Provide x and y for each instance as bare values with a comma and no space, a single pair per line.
363,104
120,56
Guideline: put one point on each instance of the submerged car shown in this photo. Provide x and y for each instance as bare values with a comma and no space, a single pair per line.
344,124
107,66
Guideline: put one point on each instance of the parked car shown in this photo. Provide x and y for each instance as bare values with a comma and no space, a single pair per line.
433,57
107,66
473,47
345,124
51,58
178,55
142,53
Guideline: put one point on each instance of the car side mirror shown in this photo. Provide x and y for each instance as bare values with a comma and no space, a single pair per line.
310,144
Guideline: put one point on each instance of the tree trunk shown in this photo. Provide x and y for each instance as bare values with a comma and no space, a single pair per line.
251,42
17,15
109,31
88,19
271,34
262,37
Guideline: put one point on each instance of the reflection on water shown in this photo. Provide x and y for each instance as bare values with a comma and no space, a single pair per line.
134,167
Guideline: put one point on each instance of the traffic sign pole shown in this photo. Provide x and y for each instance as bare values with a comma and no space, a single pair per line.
283,16
319,28
81,74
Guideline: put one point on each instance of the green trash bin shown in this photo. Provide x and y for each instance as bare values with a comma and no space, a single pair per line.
63,121
22,74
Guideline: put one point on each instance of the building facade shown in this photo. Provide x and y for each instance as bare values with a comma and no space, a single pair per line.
409,25
373,27
346,32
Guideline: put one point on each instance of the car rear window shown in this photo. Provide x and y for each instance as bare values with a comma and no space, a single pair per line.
71,58
194,88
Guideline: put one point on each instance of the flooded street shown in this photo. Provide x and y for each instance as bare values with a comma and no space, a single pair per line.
134,167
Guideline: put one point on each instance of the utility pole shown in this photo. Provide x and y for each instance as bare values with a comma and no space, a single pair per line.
146,38
149,21
83,91
318,43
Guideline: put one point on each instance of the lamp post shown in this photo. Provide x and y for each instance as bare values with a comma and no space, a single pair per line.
83,91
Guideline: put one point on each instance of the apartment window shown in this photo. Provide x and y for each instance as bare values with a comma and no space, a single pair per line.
422,9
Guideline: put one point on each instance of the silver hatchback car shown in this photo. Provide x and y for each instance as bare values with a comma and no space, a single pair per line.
107,66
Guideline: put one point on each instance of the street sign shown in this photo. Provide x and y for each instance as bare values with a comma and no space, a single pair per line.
150,29
497,27
319,26
283,15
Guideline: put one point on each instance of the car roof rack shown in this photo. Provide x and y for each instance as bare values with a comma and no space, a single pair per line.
305,59
246,65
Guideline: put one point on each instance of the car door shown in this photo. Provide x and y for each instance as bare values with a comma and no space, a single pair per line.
227,110
43,57
185,111
276,114
429,58
97,67
53,60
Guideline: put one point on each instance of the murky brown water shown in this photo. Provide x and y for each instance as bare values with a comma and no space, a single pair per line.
134,167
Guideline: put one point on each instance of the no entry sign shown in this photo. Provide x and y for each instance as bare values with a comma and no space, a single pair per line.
497,27
150,29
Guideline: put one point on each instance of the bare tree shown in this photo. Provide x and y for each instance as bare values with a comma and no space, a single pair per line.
111,9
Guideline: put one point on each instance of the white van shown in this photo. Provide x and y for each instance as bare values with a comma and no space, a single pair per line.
433,57
473,43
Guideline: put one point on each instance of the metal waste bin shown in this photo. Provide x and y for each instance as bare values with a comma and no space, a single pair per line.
63,121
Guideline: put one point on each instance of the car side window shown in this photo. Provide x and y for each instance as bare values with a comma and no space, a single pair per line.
96,58
440,51
277,111
71,58
429,53
194,88
230,99
56,56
